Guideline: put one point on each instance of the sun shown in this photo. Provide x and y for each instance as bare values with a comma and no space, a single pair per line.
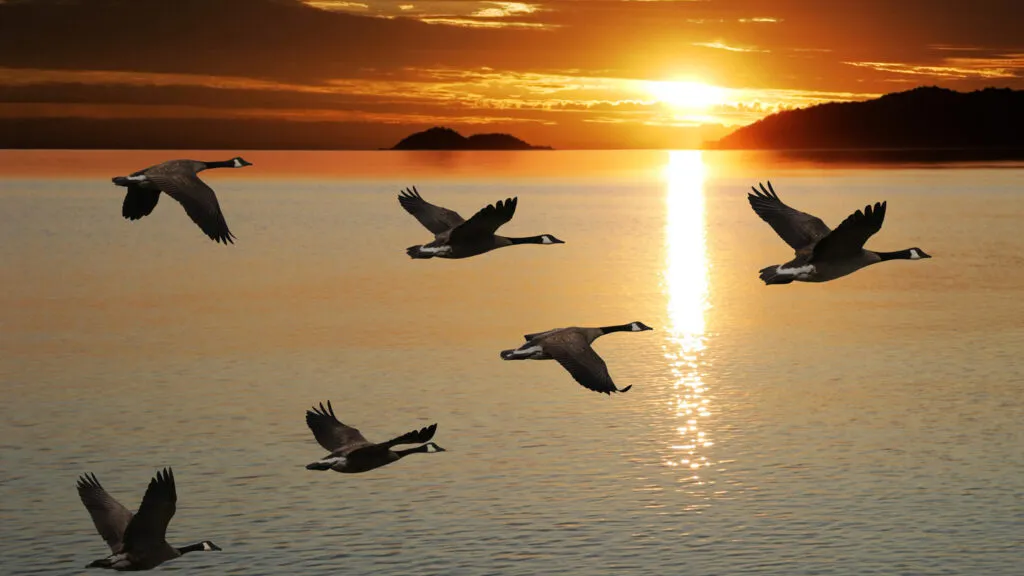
687,95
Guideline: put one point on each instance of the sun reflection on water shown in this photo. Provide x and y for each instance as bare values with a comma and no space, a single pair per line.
686,284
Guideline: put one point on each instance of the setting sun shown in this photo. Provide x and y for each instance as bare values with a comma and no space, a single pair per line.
688,95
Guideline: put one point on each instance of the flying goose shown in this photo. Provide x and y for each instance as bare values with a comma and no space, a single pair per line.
350,452
136,541
455,237
822,254
571,347
179,179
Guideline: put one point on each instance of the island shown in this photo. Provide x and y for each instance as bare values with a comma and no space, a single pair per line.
440,138
922,118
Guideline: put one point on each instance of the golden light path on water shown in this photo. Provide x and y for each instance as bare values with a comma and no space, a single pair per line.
686,283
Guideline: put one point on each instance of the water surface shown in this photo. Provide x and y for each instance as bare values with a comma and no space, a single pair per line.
871,425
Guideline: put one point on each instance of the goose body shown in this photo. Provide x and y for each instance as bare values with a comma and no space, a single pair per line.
822,254
180,180
455,237
137,541
571,347
351,452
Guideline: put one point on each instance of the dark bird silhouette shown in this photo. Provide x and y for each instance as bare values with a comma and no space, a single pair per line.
137,541
822,254
571,348
179,179
455,237
351,453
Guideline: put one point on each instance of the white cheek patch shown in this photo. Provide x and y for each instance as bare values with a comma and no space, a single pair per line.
431,449
207,547
634,327
798,272
914,255
546,240
237,163
137,178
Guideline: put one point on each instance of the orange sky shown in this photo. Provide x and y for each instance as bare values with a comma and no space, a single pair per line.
569,73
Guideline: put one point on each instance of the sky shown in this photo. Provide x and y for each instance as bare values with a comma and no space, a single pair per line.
566,73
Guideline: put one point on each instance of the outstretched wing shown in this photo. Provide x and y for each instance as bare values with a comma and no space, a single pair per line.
529,337
798,229
574,353
198,199
330,432
485,222
139,202
148,528
415,437
108,515
849,237
435,218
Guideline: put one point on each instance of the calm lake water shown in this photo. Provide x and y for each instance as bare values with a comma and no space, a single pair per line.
871,425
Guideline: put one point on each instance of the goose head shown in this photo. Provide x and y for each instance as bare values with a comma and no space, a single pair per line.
916,254
239,162
639,327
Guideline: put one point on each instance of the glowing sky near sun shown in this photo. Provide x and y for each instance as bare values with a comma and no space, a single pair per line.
562,72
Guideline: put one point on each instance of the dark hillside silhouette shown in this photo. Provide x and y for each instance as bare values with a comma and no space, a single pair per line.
926,117
439,138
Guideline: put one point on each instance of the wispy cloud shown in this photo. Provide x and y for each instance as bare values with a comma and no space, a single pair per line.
487,94
463,13
955,48
505,9
486,23
1009,66
723,46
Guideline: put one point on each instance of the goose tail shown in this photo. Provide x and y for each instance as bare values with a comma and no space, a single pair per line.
509,354
770,275
319,465
120,181
417,252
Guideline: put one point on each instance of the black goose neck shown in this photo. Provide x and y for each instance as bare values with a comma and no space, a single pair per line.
418,449
197,547
220,164
897,255
528,240
617,328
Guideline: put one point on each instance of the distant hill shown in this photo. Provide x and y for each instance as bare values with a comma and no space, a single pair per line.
439,138
926,117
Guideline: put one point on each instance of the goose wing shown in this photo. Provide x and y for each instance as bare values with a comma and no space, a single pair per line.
198,199
415,437
108,515
485,222
798,229
574,353
849,237
331,433
435,218
540,334
148,529
139,202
